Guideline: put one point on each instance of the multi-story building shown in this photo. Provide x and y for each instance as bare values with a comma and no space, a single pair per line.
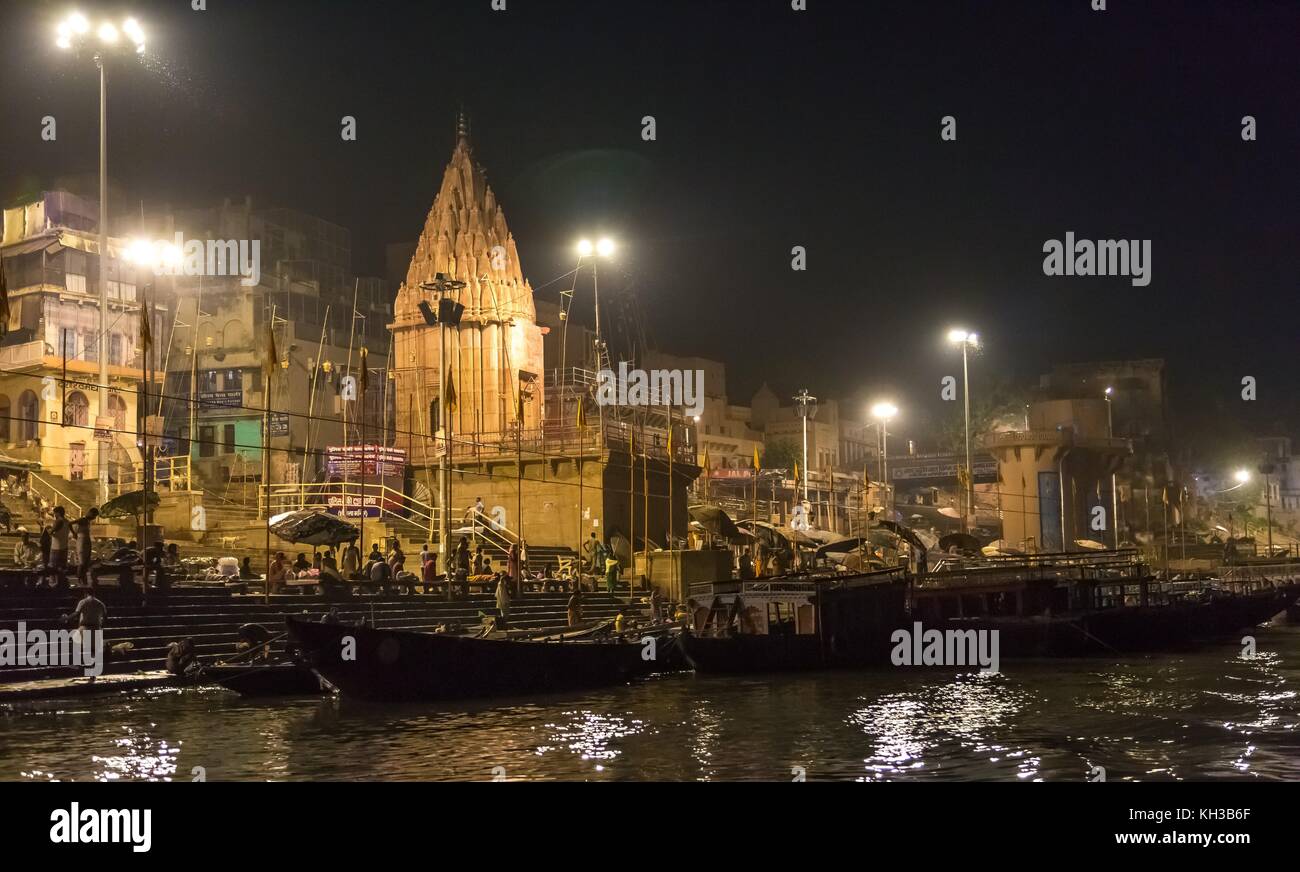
52,409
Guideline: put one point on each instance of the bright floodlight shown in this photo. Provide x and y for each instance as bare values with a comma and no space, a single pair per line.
1109,391
1242,475
78,22
884,410
957,335
63,42
140,251
585,248
605,247
107,33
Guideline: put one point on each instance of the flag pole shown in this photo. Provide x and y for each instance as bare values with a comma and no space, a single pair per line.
267,369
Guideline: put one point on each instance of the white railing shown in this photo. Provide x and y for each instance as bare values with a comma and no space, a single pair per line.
46,490
345,498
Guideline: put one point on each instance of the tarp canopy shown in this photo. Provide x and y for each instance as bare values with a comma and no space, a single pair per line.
127,504
312,527
714,520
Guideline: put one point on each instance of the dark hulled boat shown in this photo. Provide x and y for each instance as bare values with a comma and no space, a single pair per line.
1070,606
264,679
400,665
768,625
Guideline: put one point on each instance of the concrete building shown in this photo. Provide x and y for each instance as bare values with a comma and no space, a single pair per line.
1056,476
50,399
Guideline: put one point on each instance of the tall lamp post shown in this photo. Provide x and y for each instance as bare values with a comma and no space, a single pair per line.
108,37
805,405
884,411
448,314
1114,498
1267,469
604,248
966,340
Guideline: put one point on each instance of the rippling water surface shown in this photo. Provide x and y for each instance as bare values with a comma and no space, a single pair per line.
1209,714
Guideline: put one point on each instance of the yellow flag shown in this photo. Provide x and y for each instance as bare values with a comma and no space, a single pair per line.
796,471
670,440
365,371
706,461
272,358
757,464
582,416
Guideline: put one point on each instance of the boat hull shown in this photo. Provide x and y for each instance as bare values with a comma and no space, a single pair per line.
1128,630
278,679
403,666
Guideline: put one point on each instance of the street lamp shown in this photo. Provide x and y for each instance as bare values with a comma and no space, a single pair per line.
1114,497
806,406
75,30
884,411
1267,469
966,340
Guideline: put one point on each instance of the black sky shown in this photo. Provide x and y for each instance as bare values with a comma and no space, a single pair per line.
775,128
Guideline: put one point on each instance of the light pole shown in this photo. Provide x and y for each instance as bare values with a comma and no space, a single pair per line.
806,406
884,411
1114,498
586,249
1267,469
967,341
75,30
448,314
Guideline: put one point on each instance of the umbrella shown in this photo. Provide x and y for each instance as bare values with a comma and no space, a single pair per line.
714,520
960,541
902,532
130,503
310,527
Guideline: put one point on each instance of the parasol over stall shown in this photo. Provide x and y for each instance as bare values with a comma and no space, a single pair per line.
127,504
714,520
312,527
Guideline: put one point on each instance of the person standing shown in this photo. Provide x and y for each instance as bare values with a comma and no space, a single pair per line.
84,544
59,532
611,573
462,565
512,567
503,602
351,559
574,611
89,614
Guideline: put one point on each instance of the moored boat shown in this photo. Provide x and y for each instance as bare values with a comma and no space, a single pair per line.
401,665
794,623
264,679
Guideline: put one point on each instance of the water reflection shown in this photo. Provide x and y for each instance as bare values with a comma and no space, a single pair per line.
1210,714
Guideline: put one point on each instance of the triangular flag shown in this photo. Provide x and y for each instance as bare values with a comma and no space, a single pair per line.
365,371
670,441
796,471
451,395
706,461
272,358
757,464
582,415
146,332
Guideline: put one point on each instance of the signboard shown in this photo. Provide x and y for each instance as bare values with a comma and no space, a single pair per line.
354,505
221,399
734,474
380,461
915,469
279,424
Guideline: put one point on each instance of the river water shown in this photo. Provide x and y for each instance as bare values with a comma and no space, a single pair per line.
1211,714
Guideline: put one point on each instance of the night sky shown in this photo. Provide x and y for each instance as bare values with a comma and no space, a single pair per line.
775,128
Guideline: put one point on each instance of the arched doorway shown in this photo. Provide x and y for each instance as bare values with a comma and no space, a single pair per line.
29,416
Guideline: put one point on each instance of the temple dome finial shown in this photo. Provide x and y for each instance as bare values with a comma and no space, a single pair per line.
462,127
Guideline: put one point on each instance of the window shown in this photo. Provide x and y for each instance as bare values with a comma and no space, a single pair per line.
5,427
117,409
208,380
234,380
89,345
29,415
75,283
128,292
76,411
115,349
207,441
228,439
68,343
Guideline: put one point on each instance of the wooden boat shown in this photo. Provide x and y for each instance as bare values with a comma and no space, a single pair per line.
401,665
264,679
1073,607
794,623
